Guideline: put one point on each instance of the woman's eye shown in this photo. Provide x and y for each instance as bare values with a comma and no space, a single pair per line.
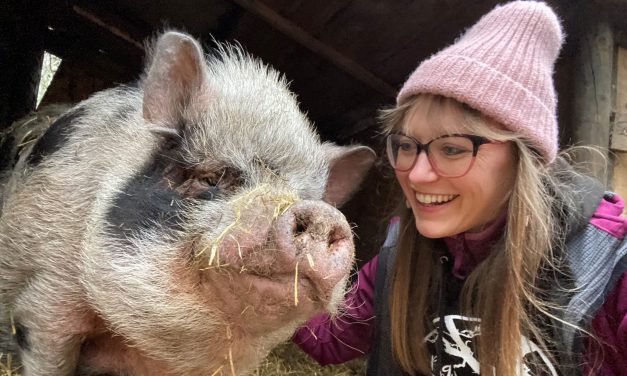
453,150
405,146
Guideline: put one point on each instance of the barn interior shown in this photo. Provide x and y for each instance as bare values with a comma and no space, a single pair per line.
345,59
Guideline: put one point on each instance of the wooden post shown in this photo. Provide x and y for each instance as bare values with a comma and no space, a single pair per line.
593,76
619,130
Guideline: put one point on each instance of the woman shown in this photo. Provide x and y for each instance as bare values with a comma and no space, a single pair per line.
506,260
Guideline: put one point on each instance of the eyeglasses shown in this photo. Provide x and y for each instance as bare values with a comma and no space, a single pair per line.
450,156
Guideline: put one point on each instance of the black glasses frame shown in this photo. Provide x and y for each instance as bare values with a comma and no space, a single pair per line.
476,142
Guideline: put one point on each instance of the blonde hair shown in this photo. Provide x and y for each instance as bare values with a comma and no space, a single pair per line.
504,289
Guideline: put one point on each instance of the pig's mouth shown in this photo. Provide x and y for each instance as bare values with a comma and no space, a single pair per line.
304,277
292,286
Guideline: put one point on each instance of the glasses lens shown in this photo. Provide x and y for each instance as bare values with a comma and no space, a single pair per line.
401,151
452,155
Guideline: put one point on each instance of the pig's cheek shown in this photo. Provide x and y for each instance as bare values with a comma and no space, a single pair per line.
270,306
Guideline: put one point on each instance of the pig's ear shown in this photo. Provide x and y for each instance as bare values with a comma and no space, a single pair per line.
348,166
174,75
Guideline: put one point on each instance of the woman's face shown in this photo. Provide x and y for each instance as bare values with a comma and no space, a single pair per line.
444,206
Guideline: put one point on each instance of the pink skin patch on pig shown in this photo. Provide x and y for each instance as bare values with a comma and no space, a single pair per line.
104,352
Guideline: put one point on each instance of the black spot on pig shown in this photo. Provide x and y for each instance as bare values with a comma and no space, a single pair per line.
21,336
55,137
156,197
149,200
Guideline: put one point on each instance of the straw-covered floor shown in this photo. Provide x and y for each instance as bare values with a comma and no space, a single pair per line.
287,359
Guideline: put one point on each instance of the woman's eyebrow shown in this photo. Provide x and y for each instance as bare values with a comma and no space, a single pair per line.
433,137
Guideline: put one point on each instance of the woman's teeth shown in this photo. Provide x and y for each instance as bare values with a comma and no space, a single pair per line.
434,199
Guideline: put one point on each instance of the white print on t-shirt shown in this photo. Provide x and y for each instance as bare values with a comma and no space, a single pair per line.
459,356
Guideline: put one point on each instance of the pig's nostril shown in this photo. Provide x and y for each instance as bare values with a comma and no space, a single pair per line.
301,226
334,237
316,229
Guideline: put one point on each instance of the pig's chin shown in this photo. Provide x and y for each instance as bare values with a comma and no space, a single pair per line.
264,301
299,292
279,294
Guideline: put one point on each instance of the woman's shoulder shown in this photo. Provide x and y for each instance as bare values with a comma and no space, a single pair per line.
391,235
608,215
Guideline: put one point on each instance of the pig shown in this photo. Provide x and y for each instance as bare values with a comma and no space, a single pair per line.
184,225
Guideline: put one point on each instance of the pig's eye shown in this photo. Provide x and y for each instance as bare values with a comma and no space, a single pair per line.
206,185
226,180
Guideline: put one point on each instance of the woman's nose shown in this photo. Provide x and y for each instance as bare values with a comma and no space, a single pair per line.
422,171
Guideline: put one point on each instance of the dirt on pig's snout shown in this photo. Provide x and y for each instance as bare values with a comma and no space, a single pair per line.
279,260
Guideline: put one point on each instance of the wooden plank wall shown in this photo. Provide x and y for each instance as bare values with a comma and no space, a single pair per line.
619,132
592,94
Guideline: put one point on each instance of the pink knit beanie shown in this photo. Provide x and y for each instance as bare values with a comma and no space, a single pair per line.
503,67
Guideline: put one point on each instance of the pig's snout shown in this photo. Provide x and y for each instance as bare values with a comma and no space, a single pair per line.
314,228
312,225
317,237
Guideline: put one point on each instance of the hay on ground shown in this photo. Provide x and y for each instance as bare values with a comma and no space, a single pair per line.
288,359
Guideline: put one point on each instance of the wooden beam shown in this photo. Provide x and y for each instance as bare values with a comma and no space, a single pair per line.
113,29
97,40
327,52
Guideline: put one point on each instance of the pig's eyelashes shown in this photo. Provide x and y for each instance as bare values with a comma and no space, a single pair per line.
227,179
199,188
208,185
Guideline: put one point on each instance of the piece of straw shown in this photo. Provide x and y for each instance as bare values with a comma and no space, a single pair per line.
311,261
312,333
7,369
244,310
282,203
296,285
231,362
13,330
218,370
